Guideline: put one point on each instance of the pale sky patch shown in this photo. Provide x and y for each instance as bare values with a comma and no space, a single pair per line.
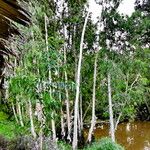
126,8
95,9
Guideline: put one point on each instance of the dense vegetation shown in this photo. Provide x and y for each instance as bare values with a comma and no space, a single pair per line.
49,95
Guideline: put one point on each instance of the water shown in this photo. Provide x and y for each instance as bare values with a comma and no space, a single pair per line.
133,136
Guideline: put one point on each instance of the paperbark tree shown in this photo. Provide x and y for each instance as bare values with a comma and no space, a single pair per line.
31,119
111,120
14,111
76,105
66,90
50,82
93,102
19,112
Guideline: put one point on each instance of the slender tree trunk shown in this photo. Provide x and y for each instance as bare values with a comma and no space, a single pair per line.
53,128
41,119
26,109
68,109
31,119
46,32
53,123
87,109
79,124
50,81
63,133
14,111
41,139
76,105
93,99
67,96
118,119
19,113
62,124
112,130
147,105
128,89
74,52
81,112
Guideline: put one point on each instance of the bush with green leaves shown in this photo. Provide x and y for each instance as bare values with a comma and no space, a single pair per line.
105,144
10,129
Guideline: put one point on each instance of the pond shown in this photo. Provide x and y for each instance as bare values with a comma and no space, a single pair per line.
133,136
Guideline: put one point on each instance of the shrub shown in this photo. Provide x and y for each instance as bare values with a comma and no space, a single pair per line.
105,144
10,129
64,146
3,116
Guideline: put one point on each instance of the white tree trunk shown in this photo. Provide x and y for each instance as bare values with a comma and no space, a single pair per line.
14,111
53,128
62,124
68,110
19,113
76,105
41,139
112,129
50,81
93,101
128,89
31,119
67,95
63,133
81,112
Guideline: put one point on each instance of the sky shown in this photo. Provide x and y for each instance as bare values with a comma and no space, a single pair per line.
126,7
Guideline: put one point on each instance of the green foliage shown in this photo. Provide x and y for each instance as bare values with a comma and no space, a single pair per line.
123,53
105,144
64,146
10,129
40,64
3,116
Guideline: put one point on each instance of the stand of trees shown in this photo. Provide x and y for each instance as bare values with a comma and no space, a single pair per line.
72,71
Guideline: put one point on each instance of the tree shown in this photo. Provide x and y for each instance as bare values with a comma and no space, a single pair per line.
54,87
111,118
76,105
93,120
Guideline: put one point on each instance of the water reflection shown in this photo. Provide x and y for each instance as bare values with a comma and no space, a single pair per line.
133,136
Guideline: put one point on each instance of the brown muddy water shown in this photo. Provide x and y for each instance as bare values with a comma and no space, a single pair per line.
133,136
